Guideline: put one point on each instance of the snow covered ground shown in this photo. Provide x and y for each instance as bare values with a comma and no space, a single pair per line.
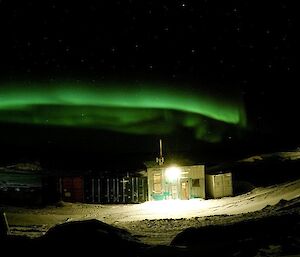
155,222
261,222
291,156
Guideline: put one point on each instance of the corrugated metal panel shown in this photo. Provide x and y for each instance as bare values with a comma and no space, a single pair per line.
227,184
72,189
116,190
219,185
209,185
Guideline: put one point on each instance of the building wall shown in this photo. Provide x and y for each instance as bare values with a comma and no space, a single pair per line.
155,188
209,184
227,184
219,185
197,177
191,184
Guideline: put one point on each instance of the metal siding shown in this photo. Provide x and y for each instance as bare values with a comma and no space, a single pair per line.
219,185
116,190
209,183
151,195
227,183
197,172
72,189
168,190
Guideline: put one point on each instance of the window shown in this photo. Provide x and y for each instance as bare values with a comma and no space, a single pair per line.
196,182
157,183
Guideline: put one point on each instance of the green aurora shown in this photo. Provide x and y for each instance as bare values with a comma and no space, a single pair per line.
136,109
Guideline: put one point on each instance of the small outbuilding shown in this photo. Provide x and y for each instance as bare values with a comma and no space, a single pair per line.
176,182
219,184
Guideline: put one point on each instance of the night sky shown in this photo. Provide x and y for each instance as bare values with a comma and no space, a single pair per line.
92,81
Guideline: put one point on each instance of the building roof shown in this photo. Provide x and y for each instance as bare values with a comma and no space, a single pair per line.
170,162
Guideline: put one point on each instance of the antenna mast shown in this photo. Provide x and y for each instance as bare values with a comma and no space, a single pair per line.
160,160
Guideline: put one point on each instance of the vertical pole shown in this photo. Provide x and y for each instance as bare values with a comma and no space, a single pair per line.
117,190
137,188
123,188
114,190
132,190
99,199
150,184
142,188
60,188
4,227
107,183
93,190
6,222
160,159
160,148
145,184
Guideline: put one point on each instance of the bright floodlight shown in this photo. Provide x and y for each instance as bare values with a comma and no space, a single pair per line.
173,173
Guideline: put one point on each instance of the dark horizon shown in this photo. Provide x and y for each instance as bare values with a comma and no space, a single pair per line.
56,149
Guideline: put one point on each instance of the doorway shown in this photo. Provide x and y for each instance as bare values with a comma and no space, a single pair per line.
185,190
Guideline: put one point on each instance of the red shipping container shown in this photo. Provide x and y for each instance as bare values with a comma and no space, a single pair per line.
72,189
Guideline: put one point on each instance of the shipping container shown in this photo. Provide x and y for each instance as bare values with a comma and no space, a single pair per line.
116,190
219,185
72,188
